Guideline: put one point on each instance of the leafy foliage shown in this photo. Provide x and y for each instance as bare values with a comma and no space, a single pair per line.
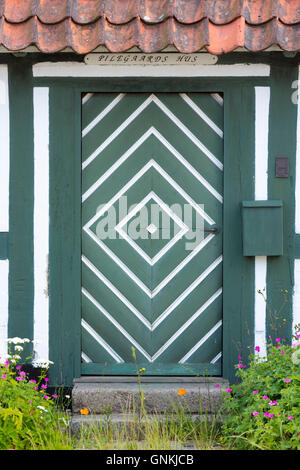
263,409
27,412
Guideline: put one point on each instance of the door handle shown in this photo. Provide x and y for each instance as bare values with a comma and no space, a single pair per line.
211,230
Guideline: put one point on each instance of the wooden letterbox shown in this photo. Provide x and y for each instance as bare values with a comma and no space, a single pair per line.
262,228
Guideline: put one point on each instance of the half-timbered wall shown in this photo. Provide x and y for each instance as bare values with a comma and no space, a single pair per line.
40,103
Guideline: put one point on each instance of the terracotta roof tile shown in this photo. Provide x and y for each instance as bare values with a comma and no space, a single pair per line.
219,25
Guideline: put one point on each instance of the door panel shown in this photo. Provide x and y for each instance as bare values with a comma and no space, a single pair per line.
152,186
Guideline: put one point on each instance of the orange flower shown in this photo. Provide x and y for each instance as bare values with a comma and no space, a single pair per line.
181,391
84,411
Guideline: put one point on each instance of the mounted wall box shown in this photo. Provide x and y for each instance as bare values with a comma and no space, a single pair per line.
262,228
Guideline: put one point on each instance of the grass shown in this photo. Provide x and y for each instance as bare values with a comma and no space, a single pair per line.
152,433
136,430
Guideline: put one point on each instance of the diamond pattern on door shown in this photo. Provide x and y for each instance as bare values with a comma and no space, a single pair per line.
152,186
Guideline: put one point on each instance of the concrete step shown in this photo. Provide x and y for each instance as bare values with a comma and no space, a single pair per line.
126,422
106,396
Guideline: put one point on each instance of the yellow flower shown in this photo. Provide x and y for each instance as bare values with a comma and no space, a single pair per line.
181,391
84,411
142,370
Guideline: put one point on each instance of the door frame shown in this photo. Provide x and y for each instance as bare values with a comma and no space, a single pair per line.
65,209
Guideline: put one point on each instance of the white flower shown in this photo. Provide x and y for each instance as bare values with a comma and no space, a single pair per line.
42,408
19,348
5,356
296,357
17,340
42,363
67,396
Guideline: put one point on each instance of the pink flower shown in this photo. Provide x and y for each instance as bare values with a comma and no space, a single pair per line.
217,385
266,414
46,397
44,386
46,379
19,367
228,390
255,392
291,417
277,340
239,358
282,352
33,381
265,397
297,336
3,376
271,416
272,403
29,401
287,380
54,395
257,348
240,366
35,388
22,373
19,378
255,413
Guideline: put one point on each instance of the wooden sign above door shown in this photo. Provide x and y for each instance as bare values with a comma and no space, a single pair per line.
163,58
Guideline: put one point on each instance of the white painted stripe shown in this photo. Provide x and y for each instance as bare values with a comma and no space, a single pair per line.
137,345
187,165
79,69
101,341
123,126
86,97
151,164
296,296
85,357
187,323
4,273
4,202
170,115
262,105
201,342
262,109
185,293
166,248
131,307
135,279
297,189
215,359
117,293
120,263
218,98
260,304
116,324
101,115
134,147
188,133
202,114
41,220
181,265
4,156
181,191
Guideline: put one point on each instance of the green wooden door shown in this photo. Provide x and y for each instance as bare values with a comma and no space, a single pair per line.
152,186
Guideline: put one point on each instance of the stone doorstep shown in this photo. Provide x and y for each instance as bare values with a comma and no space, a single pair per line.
119,420
124,397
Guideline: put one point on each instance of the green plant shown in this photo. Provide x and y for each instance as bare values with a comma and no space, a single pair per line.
262,411
29,418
